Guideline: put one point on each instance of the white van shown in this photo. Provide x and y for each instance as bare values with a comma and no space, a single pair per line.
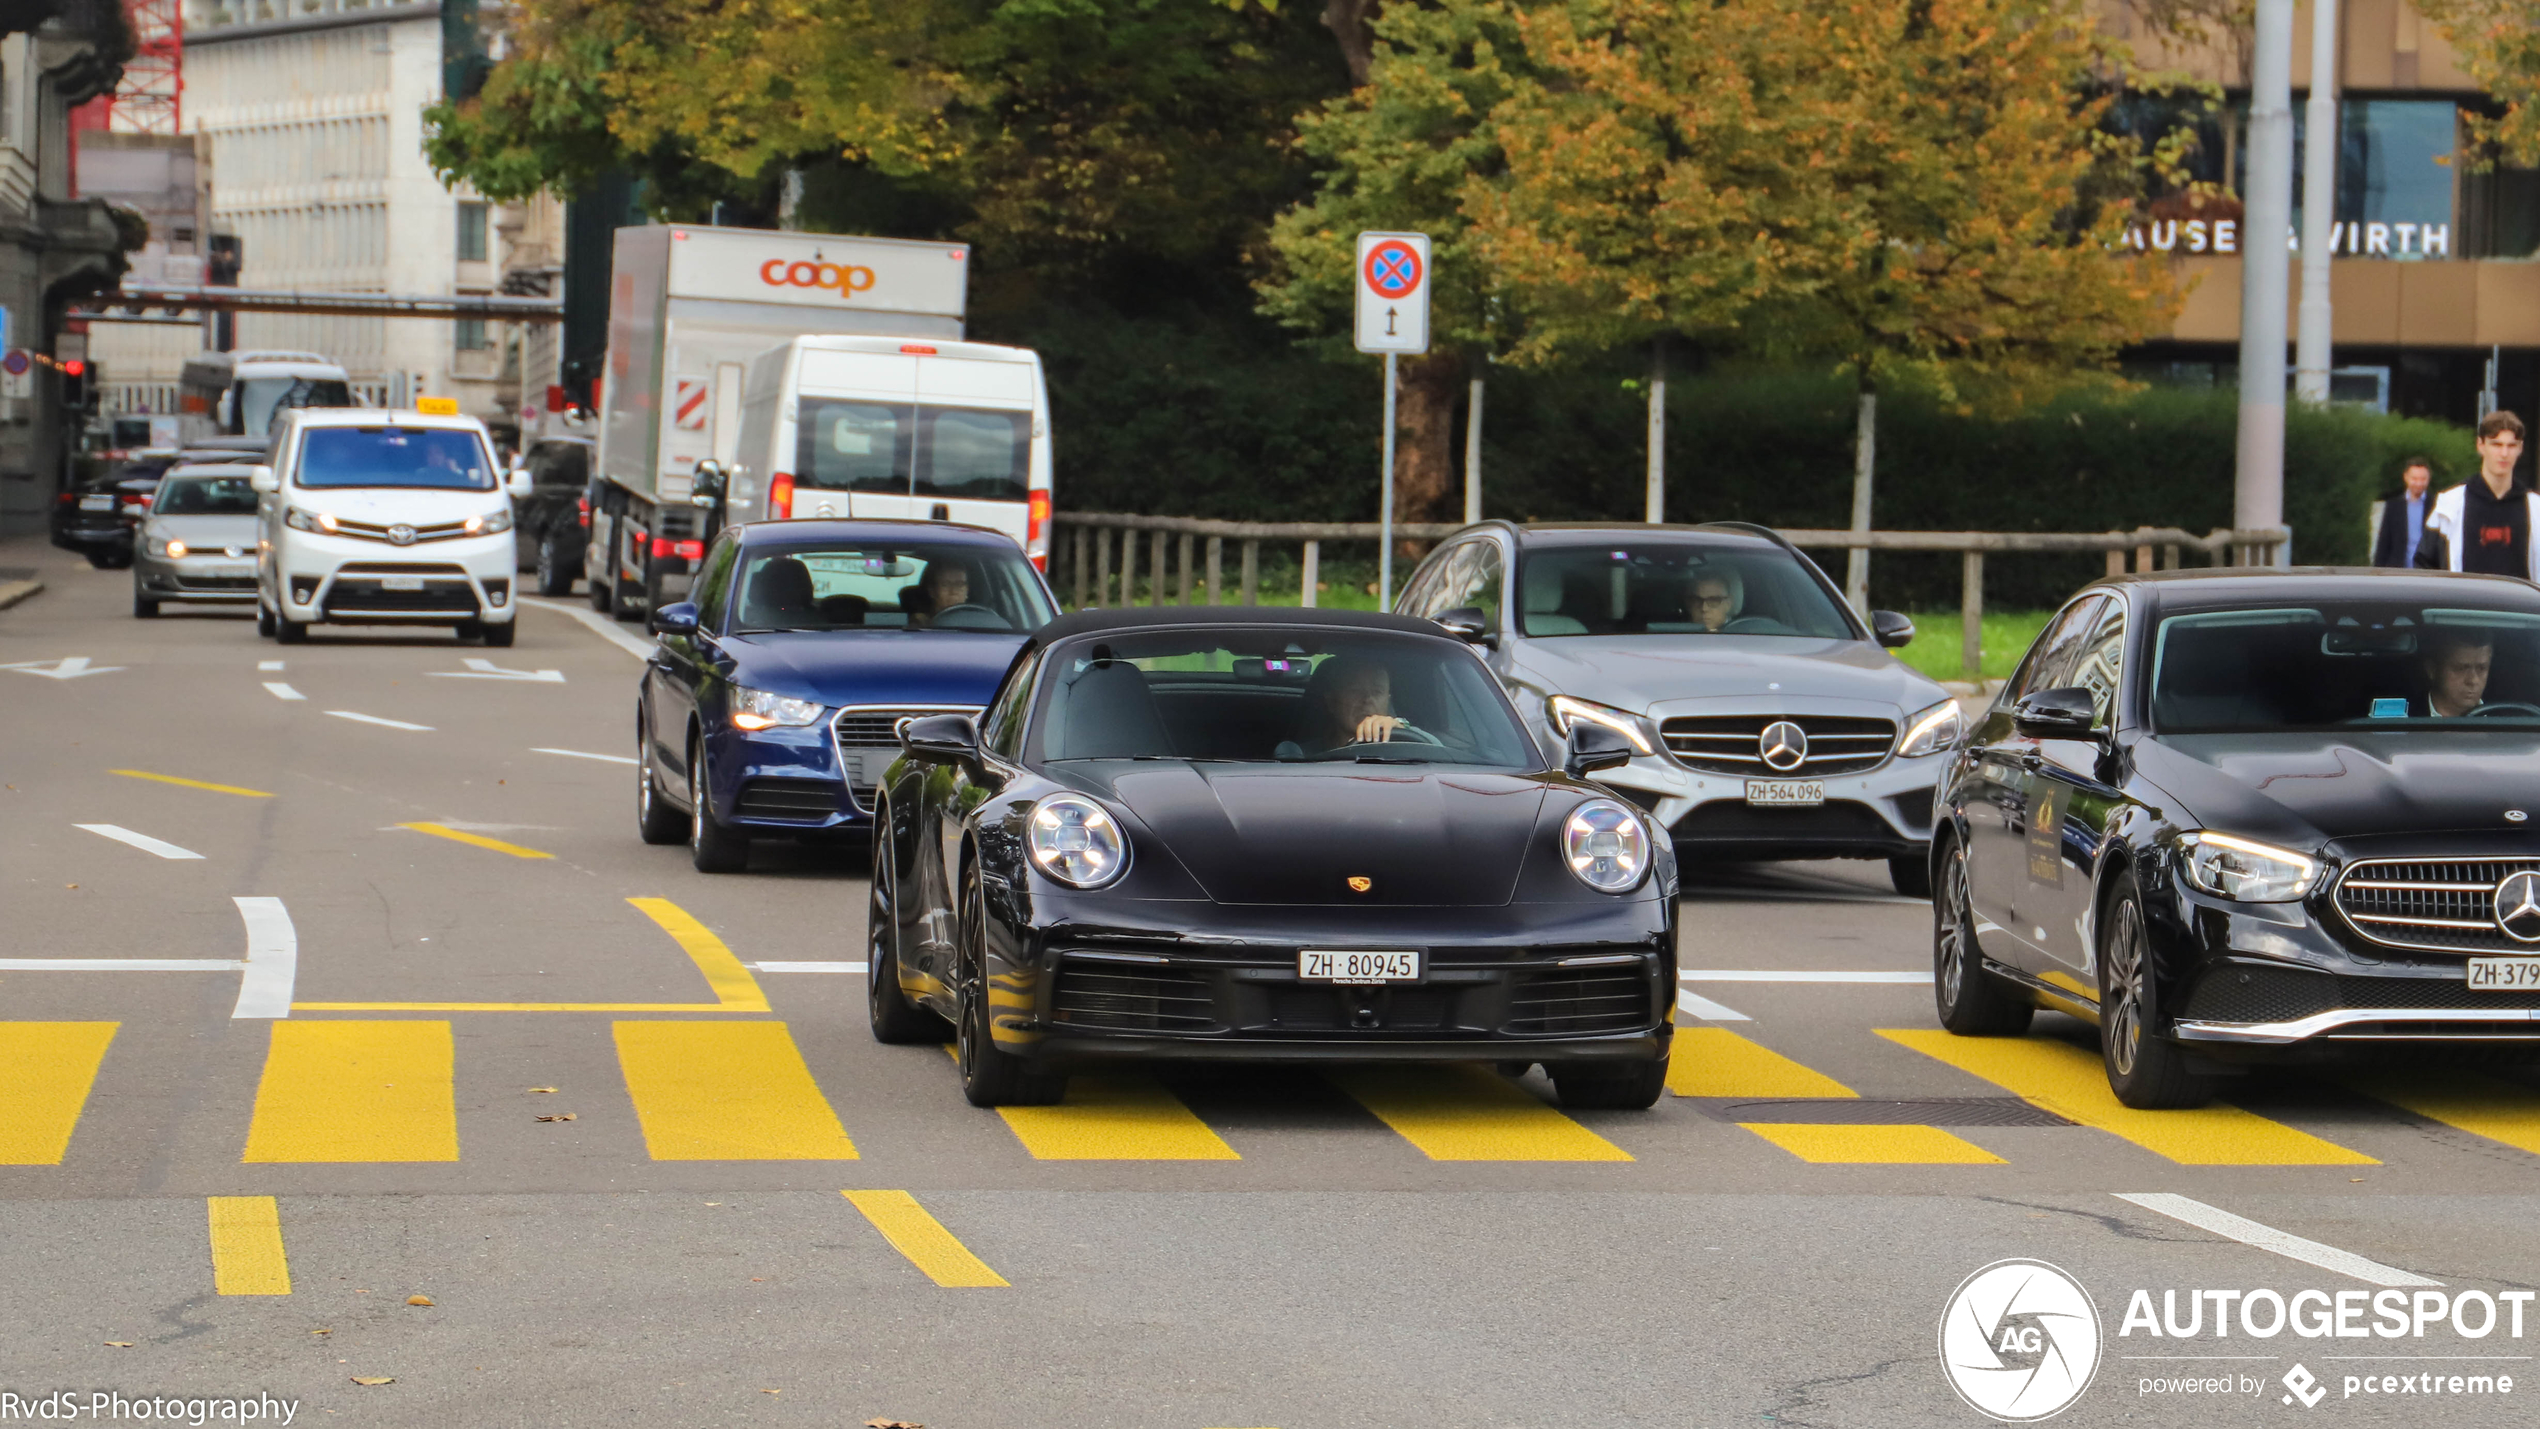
384,518
235,394
896,428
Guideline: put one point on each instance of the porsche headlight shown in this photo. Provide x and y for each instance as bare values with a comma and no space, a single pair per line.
1605,846
758,709
1076,841
300,520
2245,871
1932,730
1568,710
488,525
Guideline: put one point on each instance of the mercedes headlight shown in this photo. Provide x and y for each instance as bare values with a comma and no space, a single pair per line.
1932,730
758,709
2245,871
1076,841
300,520
488,525
1568,710
1605,846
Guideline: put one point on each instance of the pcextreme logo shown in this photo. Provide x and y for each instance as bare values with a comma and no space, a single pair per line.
2019,1341
845,279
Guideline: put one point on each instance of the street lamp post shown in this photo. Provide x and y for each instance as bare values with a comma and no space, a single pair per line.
2268,208
2311,352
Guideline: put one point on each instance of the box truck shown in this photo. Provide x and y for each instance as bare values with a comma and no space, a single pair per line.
691,309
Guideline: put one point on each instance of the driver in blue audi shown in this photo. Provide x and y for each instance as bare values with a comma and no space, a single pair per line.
2456,668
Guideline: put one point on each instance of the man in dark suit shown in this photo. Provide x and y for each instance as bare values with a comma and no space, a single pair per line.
2403,517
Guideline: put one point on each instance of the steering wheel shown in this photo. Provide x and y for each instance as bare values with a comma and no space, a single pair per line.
2504,707
1404,733
1753,625
972,617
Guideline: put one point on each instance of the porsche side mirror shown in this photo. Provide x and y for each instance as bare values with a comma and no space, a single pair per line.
1892,630
1466,623
1593,747
2057,714
262,478
944,736
677,618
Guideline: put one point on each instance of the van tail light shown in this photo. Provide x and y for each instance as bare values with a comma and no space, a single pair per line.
664,548
780,496
1036,530
582,511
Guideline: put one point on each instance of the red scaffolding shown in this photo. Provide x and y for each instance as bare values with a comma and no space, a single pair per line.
150,98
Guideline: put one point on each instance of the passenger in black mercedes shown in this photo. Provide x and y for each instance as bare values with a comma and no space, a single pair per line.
2456,668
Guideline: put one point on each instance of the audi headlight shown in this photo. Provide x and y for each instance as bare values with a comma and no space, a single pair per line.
1605,846
758,709
1932,730
488,525
1076,841
2245,871
299,520
1568,710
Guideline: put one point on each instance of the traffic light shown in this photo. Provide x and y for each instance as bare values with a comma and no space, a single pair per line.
79,385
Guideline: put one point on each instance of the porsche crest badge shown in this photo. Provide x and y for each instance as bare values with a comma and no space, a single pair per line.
1360,883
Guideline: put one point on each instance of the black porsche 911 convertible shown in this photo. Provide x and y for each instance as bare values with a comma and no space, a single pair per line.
1231,833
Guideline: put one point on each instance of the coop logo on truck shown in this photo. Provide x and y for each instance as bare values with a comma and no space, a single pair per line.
846,279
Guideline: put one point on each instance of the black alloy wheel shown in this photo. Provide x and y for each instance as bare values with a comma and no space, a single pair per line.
555,562
713,846
1971,1001
2146,1070
264,620
143,607
990,1076
289,631
603,581
655,821
895,1019
469,630
1601,1086
1910,875
499,637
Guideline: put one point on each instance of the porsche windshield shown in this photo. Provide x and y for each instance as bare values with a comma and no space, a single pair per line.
2372,664
1675,586
911,587
1310,695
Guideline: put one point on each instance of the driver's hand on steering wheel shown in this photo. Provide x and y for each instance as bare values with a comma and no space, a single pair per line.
1378,729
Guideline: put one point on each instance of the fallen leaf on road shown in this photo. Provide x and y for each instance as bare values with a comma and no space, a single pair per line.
542,1089
119,1344
321,1332
771,1391
380,1379
418,1299
561,1116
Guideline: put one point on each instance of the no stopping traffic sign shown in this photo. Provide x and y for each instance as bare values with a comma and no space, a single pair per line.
1393,292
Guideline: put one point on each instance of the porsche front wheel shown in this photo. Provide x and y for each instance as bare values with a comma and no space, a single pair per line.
895,1019
990,1076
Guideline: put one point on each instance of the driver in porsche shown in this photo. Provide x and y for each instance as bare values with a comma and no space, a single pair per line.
1350,701
2456,669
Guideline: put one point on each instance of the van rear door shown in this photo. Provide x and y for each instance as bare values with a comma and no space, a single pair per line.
855,446
976,429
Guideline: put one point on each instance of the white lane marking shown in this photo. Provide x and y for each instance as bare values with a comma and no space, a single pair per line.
68,668
2285,1243
578,754
282,691
273,959
120,965
1708,1010
268,664
374,719
143,842
1774,975
600,625
809,967
480,668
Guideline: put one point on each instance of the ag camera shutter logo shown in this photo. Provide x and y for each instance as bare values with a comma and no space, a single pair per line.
2019,1341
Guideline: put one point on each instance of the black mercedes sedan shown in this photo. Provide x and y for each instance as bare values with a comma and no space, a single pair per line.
1210,833
2253,815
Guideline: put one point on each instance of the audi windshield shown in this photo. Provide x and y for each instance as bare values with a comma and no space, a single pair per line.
2364,664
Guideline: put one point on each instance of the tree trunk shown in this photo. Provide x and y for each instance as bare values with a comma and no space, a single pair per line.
1424,457
1352,23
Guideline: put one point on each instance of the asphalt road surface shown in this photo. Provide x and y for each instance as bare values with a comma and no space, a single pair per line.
333,978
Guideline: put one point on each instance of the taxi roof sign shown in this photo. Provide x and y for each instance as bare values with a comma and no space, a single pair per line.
437,406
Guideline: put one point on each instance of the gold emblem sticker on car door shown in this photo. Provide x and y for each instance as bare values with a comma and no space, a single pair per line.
2046,807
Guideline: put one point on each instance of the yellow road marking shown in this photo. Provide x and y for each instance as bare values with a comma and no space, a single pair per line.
247,1256
2480,1105
1873,1145
356,1091
734,989
1457,1113
46,1069
2072,1083
191,783
1716,1062
727,1091
923,1239
1116,1117
444,831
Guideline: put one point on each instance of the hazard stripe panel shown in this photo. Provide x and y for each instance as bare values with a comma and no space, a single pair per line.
1461,1113
356,1091
247,1256
919,1236
46,1069
727,1091
2072,1083
2465,1101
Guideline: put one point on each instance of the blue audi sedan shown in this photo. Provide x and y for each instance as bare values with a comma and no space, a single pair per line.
772,701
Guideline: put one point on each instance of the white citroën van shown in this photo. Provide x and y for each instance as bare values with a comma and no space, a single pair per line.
384,518
897,428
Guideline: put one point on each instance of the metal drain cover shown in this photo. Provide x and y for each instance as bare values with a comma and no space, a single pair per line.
1863,1111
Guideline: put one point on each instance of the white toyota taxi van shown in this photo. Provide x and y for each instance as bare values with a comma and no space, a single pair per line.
370,517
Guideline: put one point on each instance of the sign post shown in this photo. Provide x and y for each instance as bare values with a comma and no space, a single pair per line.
1393,318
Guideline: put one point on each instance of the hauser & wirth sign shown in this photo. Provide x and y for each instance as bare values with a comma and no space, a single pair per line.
2372,239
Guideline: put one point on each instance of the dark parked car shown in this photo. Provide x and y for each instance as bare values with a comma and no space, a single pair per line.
550,522
1266,835
97,518
2232,817
771,704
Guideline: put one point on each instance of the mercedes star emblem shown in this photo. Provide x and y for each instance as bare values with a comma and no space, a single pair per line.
1785,746
2518,906
401,535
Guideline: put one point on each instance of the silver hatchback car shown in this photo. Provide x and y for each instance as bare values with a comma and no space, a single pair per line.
199,541
1768,722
